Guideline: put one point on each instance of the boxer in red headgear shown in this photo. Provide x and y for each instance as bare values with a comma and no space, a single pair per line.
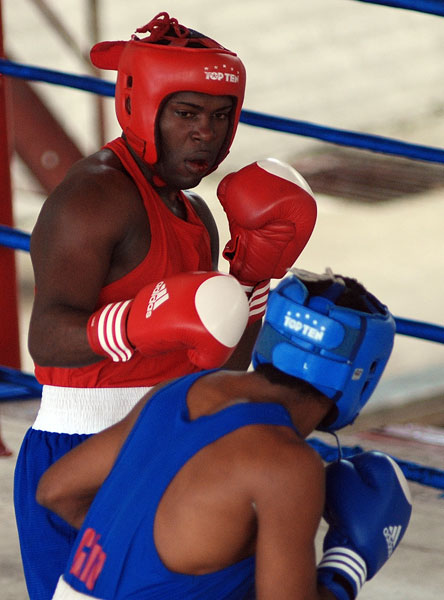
170,59
115,250
115,237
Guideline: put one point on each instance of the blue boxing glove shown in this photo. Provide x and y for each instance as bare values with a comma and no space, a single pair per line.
367,508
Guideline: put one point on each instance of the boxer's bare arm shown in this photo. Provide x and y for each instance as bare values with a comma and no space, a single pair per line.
289,507
241,357
259,489
69,486
87,235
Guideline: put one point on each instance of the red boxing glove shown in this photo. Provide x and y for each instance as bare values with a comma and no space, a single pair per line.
205,313
271,212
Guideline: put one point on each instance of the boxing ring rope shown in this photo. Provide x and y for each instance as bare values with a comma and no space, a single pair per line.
16,384
432,7
14,238
341,137
428,476
19,240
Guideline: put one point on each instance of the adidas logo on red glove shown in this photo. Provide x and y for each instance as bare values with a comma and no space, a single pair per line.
204,313
158,297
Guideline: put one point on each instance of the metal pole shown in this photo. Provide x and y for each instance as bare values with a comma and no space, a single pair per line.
9,329
94,35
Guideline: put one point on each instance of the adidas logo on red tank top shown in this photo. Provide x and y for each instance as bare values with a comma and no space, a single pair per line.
158,297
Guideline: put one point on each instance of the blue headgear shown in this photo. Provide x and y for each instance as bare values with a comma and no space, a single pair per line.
341,351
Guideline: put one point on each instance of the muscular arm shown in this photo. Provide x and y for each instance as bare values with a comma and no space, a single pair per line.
69,486
241,357
74,249
289,507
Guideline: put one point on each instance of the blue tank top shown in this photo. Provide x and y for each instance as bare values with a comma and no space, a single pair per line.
114,556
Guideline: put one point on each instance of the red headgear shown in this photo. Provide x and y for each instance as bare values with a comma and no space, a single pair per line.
170,60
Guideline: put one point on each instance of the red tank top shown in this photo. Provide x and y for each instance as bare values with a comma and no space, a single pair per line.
177,246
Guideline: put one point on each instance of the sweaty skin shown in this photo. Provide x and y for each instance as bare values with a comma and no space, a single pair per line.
98,230
259,489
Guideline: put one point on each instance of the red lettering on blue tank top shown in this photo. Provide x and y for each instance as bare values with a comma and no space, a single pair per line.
89,559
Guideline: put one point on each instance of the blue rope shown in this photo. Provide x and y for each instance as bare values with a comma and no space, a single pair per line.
432,7
19,240
80,82
16,384
352,139
13,238
364,141
429,476
419,329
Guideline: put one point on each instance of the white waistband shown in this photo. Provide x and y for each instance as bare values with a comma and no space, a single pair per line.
64,591
84,410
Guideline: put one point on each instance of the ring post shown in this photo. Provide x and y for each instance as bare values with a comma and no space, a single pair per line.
9,329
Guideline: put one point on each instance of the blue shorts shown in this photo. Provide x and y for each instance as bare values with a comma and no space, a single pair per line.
45,539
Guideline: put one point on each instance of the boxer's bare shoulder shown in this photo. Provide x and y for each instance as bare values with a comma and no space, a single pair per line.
100,179
97,200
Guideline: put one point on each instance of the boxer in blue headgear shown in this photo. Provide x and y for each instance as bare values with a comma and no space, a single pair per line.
329,331
208,487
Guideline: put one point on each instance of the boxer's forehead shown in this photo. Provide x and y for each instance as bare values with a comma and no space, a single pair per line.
202,101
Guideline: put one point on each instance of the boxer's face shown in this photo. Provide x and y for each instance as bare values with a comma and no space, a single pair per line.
192,129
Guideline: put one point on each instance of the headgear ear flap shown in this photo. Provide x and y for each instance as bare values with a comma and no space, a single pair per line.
151,69
341,351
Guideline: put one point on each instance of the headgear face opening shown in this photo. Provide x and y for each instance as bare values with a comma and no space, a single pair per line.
171,59
341,351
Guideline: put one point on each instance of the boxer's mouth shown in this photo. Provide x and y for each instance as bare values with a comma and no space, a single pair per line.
197,165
